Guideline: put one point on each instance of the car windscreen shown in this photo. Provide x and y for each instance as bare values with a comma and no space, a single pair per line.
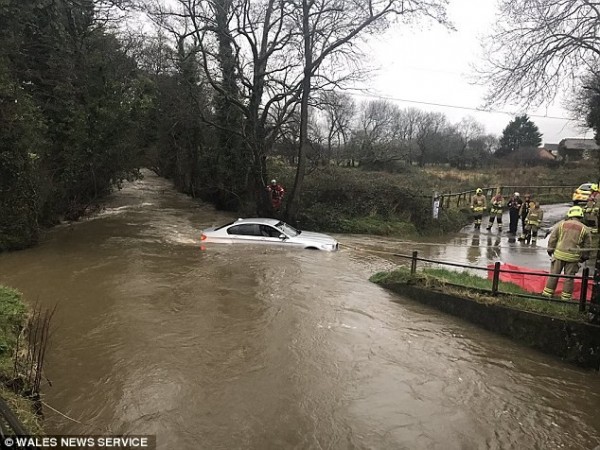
288,229
585,187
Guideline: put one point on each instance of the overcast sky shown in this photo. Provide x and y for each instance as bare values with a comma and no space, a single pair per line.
433,65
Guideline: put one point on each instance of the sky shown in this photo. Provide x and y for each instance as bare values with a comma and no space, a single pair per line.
428,65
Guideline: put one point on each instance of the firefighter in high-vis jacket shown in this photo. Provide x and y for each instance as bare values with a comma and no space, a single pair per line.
523,211
569,245
592,209
496,211
532,222
478,206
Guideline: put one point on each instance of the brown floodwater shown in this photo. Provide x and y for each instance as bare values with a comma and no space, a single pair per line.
247,347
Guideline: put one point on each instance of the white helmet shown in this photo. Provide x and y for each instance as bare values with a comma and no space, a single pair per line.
517,194
273,181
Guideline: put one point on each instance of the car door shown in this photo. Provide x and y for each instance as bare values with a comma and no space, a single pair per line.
245,232
272,235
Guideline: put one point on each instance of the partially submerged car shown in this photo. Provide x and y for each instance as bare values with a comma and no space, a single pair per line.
270,232
582,193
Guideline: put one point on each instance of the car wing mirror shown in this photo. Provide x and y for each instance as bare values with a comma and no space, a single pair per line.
282,236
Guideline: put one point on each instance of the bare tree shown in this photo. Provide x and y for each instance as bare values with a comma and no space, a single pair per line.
430,126
378,133
339,111
539,46
328,29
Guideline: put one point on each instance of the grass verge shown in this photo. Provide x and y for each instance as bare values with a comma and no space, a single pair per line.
470,286
13,316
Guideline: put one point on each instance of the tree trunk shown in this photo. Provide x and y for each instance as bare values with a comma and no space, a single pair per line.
293,204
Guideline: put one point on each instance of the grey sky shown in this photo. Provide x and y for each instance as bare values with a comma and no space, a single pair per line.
433,65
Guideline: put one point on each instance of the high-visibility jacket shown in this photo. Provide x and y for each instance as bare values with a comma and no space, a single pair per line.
593,204
478,203
570,240
525,207
497,205
535,216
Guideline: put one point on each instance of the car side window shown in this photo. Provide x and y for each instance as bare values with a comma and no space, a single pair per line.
268,231
247,229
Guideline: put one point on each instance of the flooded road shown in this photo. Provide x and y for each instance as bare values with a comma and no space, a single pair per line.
268,348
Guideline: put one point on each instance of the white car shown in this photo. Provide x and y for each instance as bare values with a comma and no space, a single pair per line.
268,231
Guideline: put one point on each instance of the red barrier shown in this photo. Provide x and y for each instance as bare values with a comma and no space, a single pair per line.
536,283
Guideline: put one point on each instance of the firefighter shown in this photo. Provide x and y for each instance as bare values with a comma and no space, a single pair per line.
496,211
568,246
276,193
478,205
592,209
514,205
523,211
532,222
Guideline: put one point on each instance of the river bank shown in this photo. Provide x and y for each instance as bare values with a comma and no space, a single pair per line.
13,386
399,203
550,328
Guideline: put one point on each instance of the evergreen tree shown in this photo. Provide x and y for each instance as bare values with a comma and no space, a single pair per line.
520,132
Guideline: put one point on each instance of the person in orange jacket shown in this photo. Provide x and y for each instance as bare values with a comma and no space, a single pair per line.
276,193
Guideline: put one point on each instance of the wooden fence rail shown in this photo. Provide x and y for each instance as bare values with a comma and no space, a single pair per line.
459,199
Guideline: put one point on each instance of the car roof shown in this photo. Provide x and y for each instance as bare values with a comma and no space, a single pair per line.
261,221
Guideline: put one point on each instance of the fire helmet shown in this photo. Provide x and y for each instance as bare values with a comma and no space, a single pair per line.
575,211
479,191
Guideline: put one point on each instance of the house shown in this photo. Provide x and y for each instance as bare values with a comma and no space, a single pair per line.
551,148
545,154
573,149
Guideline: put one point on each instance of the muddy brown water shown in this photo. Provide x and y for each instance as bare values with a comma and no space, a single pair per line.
269,348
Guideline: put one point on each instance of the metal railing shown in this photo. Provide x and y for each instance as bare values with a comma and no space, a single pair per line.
496,271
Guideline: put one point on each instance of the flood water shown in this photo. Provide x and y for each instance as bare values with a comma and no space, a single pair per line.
234,347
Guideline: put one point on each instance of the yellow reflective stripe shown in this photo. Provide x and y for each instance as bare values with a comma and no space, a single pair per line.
566,256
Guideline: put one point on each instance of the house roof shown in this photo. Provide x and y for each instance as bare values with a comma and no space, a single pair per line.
544,153
579,144
550,147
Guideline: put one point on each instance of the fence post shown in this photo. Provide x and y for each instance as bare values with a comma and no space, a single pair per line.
496,278
584,289
413,264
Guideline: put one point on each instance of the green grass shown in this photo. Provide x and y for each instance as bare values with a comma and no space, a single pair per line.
13,315
464,284
467,279
377,225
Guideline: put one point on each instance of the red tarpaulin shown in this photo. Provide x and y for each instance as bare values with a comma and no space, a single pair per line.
536,283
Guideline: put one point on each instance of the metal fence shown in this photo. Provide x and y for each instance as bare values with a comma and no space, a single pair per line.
496,271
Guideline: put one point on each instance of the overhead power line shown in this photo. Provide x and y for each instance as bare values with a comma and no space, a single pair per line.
467,108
